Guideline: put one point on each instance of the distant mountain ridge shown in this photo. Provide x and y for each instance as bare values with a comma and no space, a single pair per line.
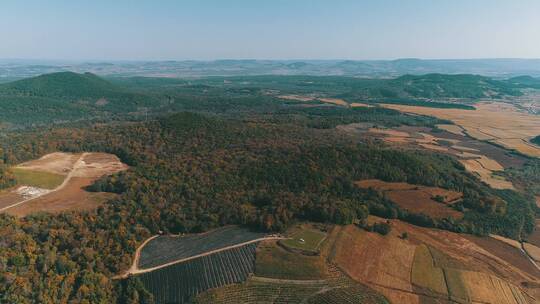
500,68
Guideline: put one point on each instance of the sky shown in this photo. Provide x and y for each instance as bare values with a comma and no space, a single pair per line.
270,29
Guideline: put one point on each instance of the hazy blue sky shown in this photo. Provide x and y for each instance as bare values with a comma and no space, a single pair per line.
271,29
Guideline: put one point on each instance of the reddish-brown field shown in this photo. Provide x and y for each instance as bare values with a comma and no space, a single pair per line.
417,199
384,263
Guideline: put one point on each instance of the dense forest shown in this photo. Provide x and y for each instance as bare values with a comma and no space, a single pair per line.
192,172
536,140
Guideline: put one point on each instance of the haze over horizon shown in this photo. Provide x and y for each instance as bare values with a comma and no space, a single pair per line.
277,30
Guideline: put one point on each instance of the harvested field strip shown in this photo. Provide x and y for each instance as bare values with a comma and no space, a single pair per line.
486,288
485,175
39,179
369,258
533,251
166,249
457,291
179,282
425,274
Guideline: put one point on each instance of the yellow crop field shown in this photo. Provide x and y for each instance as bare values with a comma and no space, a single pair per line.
499,122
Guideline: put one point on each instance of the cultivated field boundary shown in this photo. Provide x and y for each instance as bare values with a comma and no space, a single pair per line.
135,270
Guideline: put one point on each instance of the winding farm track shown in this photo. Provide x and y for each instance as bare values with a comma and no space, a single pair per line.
76,166
134,269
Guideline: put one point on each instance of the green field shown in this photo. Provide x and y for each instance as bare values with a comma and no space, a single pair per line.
38,179
305,239
275,262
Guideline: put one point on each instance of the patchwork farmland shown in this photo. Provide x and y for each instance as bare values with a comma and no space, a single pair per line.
179,282
430,265
495,122
480,158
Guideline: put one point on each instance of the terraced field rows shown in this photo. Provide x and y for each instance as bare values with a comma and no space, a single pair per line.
165,249
347,295
337,288
179,282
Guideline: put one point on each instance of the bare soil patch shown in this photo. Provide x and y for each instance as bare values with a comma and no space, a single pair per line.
360,105
8,196
71,197
57,163
95,165
80,170
336,101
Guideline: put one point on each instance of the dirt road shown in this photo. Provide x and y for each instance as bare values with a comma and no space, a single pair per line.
134,269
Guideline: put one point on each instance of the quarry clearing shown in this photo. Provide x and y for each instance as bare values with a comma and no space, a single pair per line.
79,170
497,122
432,265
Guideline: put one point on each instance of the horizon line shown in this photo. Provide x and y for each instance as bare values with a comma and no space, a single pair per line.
262,59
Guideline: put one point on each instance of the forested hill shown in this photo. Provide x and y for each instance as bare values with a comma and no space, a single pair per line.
62,85
67,97
429,86
456,86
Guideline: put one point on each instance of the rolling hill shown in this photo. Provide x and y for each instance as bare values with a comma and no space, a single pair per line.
62,85
67,97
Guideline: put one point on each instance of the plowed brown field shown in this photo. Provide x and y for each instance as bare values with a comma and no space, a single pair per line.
417,199
467,268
